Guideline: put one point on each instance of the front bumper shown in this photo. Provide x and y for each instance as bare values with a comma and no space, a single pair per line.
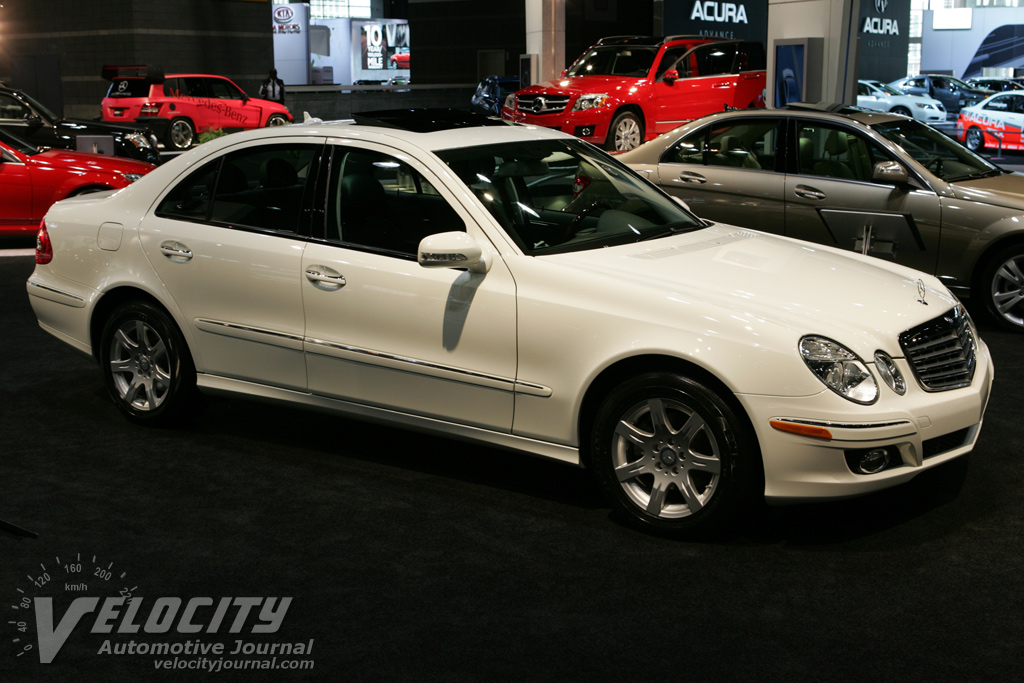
590,125
925,429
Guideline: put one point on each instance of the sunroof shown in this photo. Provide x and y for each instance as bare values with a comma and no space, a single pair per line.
425,120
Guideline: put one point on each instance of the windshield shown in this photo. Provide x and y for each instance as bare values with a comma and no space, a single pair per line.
40,109
14,142
557,196
887,89
939,153
617,60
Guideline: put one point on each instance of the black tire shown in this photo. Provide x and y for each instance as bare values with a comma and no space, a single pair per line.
181,134
1001,287
974,139
277,120
902,111
689,476
146,366
625,133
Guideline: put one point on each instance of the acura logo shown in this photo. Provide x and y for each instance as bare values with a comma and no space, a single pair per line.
539,104
880,6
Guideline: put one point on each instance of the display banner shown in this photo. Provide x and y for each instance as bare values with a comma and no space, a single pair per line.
290,27
884,33
381,49
736,19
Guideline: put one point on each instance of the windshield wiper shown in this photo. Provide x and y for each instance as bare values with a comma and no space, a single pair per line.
975,176
674,229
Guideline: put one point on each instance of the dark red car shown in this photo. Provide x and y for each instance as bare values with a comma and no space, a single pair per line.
30,180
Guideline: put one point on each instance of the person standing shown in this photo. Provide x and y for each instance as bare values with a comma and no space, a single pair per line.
273,88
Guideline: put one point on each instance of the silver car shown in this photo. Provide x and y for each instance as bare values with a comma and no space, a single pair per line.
875,183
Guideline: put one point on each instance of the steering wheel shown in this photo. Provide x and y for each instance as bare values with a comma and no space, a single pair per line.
574,226
934,161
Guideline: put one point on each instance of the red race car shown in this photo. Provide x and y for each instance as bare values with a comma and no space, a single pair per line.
178,106
30,180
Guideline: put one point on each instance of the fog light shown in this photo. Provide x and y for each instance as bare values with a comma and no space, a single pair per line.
871,460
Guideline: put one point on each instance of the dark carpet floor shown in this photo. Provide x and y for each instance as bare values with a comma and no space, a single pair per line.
410,558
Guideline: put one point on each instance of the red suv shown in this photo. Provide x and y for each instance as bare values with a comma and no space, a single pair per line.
628,89
178,106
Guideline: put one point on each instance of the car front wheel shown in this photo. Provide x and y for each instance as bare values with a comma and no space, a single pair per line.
974,140
277,120
1003,287
180,134
902,111
673,455
625,133
146,366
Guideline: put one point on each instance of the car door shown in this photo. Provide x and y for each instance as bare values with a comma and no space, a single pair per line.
832,199
16,205
947,92
384,331
227,244
234,108
726,172
675,100
1014,122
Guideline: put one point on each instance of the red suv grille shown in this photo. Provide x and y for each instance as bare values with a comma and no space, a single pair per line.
542,104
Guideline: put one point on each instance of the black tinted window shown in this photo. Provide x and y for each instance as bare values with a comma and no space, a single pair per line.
128,87
715,60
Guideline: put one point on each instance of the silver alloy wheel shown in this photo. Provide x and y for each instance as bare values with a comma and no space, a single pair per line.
627,134
666,458
140,365
276,120
181,134
1007,289
974,140
902,111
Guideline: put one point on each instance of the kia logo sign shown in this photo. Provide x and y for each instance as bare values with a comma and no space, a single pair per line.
283,14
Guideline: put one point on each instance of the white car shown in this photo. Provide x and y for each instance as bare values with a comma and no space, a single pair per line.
996,122
880,96
520,288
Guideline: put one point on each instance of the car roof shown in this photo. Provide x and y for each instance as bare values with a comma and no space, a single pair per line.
658,41
820,111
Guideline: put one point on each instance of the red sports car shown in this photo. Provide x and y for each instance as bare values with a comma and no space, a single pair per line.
30,180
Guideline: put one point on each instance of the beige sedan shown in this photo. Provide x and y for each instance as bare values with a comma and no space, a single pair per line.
875,183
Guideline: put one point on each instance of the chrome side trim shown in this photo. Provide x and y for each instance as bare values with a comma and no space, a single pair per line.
256,334
843,425
55,291
357,354
227,386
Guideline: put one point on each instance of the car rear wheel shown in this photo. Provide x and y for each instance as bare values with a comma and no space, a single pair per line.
625,133
146,365
277,120
902,111
1002,286
673,456
180,134
975,139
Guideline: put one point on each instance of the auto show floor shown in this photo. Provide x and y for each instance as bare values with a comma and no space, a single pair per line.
418,559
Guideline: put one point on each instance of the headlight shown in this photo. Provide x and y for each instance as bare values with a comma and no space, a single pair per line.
839,369
591,101
891,374
139,140
131,177
510,102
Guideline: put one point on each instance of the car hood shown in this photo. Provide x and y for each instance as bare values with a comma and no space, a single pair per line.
84,127
1006,190
579,85
83,161
863,302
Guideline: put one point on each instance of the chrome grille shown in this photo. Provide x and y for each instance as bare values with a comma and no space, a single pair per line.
542,104
941,351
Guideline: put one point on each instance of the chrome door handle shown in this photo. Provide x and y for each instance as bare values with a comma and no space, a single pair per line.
316,275
808,192
176,251
691,177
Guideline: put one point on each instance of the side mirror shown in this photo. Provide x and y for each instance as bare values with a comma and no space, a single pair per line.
670,76
889,172
33,121
452,250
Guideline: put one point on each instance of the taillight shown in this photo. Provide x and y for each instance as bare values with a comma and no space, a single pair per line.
150,109
44,250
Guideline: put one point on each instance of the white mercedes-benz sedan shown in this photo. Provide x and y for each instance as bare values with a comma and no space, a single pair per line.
520,288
